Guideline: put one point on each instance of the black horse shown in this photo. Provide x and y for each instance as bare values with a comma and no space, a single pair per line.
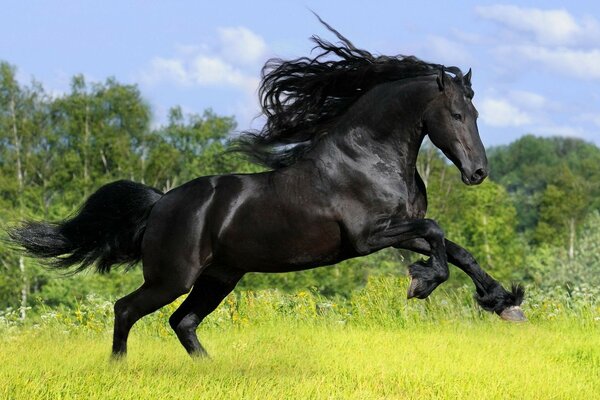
342,136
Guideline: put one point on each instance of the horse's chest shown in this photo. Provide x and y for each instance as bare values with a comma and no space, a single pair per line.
410,202
416,206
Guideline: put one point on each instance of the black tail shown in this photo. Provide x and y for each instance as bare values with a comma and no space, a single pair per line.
107,230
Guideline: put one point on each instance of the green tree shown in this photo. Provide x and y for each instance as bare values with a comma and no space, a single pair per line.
101,131
22,129
527,166
480,218
550,266
190,146
563,206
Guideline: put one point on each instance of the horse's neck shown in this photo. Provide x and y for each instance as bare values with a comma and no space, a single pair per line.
380,168
385,133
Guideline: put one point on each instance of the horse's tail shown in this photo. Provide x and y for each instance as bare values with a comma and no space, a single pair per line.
107,230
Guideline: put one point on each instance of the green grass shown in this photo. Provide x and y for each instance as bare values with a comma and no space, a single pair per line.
482,360
271,345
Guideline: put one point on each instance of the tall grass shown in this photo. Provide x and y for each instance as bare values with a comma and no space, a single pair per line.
270,345
382,303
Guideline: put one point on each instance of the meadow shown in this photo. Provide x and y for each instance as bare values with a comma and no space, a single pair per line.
271,345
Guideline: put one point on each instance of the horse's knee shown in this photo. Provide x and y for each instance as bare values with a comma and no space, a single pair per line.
443,274
432,229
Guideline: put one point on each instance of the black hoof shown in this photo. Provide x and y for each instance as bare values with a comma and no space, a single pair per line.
118,356
199,355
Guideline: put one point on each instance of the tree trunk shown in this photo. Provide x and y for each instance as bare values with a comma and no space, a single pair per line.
571,239
24,289
19,173
426,165
86,139
17,144
104,161
486,243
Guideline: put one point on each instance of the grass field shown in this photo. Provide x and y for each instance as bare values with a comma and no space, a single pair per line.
270,346
451,361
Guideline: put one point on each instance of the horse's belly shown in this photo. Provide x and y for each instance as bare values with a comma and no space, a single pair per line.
277,246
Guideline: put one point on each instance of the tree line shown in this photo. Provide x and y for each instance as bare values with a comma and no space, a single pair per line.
536,218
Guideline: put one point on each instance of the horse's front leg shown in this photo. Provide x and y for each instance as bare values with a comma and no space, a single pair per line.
425,275
490,294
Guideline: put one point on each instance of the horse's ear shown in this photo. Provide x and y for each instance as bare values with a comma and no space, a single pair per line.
467,78
441,80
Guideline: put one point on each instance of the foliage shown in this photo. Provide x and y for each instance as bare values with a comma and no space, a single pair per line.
551,266
381,303
534,220
527,166
482,219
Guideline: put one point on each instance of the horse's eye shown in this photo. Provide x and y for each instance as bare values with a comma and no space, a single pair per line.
457,117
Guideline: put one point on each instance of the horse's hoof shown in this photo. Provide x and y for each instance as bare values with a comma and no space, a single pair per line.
513,314
200,355
412,288
118,357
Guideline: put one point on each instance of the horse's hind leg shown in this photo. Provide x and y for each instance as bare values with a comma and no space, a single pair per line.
206,295
143,301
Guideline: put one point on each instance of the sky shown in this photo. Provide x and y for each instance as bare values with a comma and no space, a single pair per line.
536,65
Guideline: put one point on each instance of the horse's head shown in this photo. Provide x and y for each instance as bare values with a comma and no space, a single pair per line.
450,120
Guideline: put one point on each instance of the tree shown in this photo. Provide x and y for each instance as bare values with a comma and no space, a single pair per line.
480,218
527,166
22,126
102,131
563,206
549,266
190,146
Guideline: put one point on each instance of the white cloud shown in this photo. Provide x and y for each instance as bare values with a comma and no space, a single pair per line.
590,117
529,100
583,64
230,61
561,130
545,70
241,45
226,64
213,71
548,27
553,38
518,108
448,52
207,70
162,69
499,112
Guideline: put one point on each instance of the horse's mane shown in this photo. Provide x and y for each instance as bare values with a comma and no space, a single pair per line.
303,98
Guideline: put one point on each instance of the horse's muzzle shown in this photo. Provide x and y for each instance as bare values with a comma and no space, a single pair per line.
475,178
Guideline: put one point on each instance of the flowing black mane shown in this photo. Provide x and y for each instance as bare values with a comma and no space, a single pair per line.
303,98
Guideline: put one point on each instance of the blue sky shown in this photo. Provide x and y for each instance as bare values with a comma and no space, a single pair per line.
536,65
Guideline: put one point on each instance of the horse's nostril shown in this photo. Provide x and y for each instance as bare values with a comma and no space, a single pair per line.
478,175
